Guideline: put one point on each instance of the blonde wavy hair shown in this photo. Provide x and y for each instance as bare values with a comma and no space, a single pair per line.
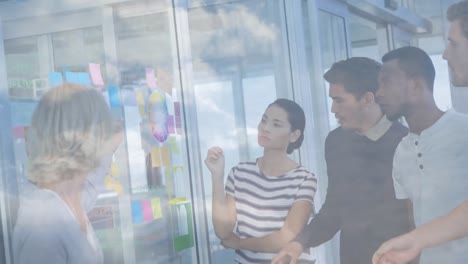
69,134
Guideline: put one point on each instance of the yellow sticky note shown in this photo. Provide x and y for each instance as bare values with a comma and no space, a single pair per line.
155,157
169,181
141,103
177,200
115,170
156,207
112,184
174,146
165,156
178,169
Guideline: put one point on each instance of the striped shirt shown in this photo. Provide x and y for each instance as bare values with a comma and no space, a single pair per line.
263,203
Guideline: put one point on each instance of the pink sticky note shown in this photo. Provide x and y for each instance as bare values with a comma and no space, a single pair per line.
147,210
150,80
18,132
95,72
170,124
177,108
178,123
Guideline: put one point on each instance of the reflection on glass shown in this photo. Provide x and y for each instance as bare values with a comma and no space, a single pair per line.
363,35
333,49
333,39
22,62
442,93
237,55
159,178
74,50
144,210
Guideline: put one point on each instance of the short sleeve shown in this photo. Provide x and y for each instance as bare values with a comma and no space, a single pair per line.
229,188
307,188
400,192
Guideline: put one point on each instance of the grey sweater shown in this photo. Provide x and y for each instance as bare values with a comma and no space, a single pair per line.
46,231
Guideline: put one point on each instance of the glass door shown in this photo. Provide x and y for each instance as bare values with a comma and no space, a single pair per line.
238,60
144,213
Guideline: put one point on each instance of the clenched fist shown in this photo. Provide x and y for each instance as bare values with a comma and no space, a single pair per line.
215,161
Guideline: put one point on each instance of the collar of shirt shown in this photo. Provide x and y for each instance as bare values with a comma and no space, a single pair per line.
438,125
378,130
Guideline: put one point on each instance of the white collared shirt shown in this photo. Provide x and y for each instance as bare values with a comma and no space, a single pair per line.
431,169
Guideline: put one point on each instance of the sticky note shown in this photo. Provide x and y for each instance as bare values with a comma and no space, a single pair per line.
55,79
95,72
177,200
165,156
71,77
155,157
156,206
178,170
177,108
170,124
173,144
178,124
170,105
147,210
115,170
84,78
164,81
112,184
141,103
18,132
150,80
137,212
114,98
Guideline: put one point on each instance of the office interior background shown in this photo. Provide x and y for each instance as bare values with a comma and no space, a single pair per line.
218,63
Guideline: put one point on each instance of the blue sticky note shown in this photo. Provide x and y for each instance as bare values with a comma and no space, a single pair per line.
114,98
137,212
84,78
72,77
55,79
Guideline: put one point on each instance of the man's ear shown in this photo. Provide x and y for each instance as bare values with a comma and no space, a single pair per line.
368,99
416,87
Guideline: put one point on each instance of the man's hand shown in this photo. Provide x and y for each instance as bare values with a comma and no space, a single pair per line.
399,250
289,254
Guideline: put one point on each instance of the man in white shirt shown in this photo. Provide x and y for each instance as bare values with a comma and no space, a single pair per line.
452,226
430,164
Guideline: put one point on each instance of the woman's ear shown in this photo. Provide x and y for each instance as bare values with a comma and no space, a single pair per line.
294,136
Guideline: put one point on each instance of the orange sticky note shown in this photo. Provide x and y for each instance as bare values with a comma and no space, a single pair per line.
165,156
155,157
156,206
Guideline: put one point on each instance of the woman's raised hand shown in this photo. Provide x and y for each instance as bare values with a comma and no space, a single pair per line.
215,161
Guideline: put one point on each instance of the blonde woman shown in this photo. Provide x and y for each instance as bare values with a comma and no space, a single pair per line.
72,136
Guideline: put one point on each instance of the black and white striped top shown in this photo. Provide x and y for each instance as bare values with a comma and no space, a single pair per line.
263,203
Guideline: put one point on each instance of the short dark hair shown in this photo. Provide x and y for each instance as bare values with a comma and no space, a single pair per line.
359,75
296,118
459,11
414,62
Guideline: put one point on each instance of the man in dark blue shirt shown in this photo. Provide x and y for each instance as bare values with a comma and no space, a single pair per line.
360,200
